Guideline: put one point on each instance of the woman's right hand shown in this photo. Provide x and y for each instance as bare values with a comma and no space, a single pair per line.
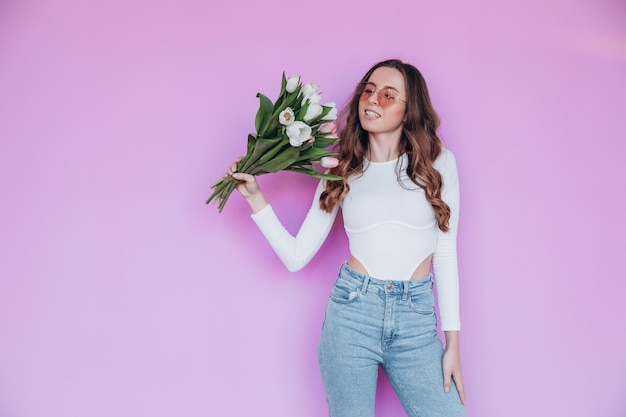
248,187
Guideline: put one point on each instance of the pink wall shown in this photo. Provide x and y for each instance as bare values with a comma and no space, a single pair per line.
122,294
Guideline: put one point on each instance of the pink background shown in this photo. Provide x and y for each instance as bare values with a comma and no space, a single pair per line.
122,294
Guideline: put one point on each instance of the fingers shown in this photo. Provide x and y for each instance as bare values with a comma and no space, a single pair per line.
244,177
459,387
451,365
446,381
232,168
246,184
458,381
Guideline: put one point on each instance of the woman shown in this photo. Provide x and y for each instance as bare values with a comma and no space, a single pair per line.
400,204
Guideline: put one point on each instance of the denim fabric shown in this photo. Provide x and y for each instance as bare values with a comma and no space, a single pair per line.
371,322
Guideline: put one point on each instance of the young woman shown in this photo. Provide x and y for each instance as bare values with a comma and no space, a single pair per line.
400,204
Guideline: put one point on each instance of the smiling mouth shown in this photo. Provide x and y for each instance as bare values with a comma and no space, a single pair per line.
372,114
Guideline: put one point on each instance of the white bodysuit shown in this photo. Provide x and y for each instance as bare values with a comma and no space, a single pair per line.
391,227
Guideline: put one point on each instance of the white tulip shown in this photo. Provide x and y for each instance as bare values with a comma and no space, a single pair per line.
292,84
308,89
313,112
313,98
286,117
298,133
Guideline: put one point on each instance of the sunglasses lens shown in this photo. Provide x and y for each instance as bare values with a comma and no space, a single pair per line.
366,91
385,97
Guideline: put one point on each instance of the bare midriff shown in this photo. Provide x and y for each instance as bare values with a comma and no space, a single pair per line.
420,272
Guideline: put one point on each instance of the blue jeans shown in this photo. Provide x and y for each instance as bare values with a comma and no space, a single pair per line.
371,322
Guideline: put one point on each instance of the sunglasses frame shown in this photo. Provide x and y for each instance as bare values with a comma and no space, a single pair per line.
361,86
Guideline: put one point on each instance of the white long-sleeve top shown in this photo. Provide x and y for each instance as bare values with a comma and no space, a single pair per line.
391,228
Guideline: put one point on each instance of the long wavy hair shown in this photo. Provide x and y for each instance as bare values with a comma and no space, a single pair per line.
419,142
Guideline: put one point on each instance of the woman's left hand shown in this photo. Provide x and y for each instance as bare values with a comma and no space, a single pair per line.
452,368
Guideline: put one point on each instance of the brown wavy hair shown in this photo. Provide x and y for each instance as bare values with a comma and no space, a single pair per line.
419,141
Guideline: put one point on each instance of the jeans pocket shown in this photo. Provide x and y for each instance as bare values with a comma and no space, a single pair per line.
344,292
422,303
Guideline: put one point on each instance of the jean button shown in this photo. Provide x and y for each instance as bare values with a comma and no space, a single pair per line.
389,285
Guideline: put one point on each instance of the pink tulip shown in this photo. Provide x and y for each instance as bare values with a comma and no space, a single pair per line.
328,127
329,162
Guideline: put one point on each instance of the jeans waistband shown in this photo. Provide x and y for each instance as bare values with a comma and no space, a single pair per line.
388,286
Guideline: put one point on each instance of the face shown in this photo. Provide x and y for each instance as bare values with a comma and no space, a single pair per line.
379,113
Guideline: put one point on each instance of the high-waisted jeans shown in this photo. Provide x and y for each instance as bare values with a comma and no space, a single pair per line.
371,322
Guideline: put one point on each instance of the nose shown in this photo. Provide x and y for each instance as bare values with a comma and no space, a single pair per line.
374,97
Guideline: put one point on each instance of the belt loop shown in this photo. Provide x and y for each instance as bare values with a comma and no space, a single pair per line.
405,294
366,281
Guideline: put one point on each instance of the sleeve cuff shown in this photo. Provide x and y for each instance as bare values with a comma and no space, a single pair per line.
262,214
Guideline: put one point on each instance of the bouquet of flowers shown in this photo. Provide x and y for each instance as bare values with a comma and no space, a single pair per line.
292,134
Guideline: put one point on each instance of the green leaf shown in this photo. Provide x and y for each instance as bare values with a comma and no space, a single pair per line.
283,84
282,94
281,145
262,148
314,154
292,100
326,176
316,174
324,142
251,142
300,113
282,160
325,111
264,113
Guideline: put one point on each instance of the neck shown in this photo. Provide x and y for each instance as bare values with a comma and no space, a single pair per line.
383,147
